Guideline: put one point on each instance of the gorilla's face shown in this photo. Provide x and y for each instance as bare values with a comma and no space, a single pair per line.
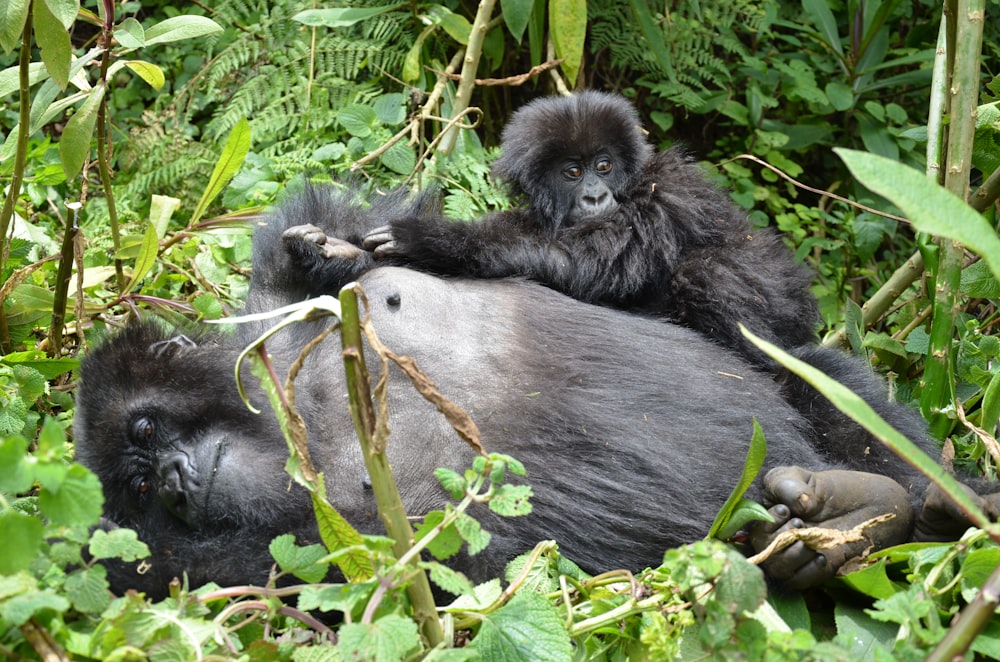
167,455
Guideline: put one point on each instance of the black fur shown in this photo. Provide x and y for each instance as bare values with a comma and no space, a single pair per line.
666,241
633,431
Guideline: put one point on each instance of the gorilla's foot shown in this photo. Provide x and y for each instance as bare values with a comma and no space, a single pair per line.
940,520
834,499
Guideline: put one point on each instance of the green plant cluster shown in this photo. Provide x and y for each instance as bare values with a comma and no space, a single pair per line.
141,141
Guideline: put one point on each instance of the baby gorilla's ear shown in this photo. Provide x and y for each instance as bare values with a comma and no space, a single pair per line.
166,349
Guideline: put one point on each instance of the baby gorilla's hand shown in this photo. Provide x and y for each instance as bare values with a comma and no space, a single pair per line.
834,499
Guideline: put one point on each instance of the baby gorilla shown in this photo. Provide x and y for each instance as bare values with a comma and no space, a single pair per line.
633,430
609,221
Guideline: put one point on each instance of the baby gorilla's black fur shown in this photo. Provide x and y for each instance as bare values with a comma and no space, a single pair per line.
633,430
609,221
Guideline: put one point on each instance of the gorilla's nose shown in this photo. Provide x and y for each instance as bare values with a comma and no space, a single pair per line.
177,485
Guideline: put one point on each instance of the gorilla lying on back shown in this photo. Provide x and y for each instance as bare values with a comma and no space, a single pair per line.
633,431
610,222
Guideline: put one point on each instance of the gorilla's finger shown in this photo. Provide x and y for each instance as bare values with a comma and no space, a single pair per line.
386,249
794,487
337,249
377,237
813,573
306,232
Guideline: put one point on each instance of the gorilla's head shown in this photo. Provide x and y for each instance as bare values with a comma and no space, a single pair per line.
573,157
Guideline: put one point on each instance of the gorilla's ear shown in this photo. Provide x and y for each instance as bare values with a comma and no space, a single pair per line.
176,346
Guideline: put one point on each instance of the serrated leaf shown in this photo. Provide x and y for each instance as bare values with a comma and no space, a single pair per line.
446,543
337,534
391,637
36,360
482,596
233,154
979,283
472,533
20,539
88,589
53,39
74,147
339,597
121,544
511,500
16,611
303,562
146,258
527,628
147,71
181,27
448,579
16,474
453,483
341,17
77,503
13,15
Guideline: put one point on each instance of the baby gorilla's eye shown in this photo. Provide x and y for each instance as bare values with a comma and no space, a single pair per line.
143,430
604,166
573,171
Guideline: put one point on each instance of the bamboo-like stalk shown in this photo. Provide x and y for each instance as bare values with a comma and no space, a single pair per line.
964,43
387,498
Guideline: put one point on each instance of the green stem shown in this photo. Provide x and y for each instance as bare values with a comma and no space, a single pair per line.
62,284
387,498
103,147
467,83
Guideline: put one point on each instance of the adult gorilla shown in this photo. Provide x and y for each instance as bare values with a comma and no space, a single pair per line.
608,221
633,431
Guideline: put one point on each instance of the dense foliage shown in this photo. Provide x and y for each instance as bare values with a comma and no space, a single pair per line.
139,140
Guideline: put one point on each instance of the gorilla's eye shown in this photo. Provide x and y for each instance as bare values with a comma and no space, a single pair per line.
573,171
603,166
143,430
140,486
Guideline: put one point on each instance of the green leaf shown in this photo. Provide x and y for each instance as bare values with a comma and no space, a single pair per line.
303,562
653,35
78,501
991,404
516,14
64,11
930,207
130,34
181,27
88,589
147,71
341,17
38,361
841,95
568,25
17,610
527,628
121,544
161,208
16,474
746,511
751,467
53,39
511,500
399,158
337,534
390,109
472,533
452,482
233,154
979,283
13,15
456,25
448,579
482,596
357,119
20,540
337,597
862,635
146,258
74,148
446,543
391,637
819,13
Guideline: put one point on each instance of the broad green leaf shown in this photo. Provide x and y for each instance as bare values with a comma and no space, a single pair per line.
74,148
88,589
20,538
121,544
516,14
16,473
568,25
146,259
64,11
653,35
751,467
53,39
858,410
399,158
130,34
390,109
472,533
452,482
233,154
930,207
341,17
336,597
78,502
13,15
527,628
149,72
357,119
454,582
37,360
511,500
456,25
841,95
303,562
746,511
979,283
10,80
337,533
871,580
181,27
17,610
391,637
446,543
862,635
819,13
161,208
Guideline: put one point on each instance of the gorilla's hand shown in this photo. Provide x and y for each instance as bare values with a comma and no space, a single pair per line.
835,499
381,242
940,520
309,240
